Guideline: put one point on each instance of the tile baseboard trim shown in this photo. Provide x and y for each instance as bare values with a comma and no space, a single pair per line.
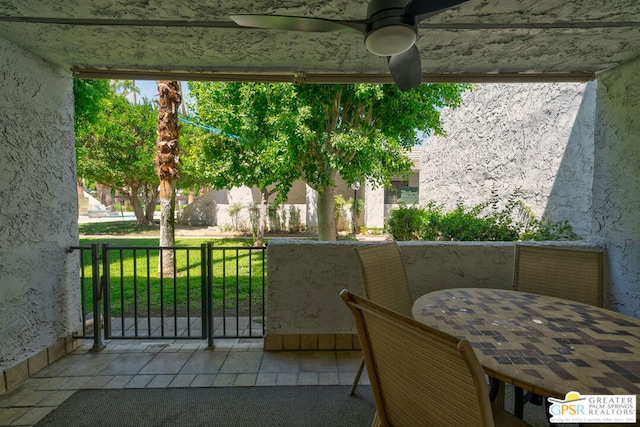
20,372
311,342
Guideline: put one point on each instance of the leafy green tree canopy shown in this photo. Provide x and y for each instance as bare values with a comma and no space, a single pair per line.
314,132
115,142
255,123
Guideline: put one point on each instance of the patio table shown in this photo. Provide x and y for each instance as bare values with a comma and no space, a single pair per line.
542,344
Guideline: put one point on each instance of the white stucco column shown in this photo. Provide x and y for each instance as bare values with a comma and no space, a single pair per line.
311,204
616,183
39,278
373,206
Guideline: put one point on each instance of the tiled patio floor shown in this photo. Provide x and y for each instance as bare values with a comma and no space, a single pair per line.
160,364
163,364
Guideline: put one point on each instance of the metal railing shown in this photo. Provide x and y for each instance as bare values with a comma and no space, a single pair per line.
209,292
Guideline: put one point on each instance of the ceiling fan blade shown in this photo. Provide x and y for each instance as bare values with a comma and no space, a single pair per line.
405,69
294,23
423,9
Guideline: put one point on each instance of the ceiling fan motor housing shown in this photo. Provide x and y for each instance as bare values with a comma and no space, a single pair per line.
391,35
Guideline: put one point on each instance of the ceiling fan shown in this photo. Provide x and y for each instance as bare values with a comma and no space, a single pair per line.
390,30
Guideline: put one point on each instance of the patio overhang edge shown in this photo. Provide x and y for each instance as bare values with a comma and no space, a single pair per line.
326,78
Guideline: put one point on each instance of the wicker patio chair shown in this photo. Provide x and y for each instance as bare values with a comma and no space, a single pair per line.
575,274
385,281
420,375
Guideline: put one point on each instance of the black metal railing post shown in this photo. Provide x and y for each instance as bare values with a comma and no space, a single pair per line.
264,282
203,291
210,325
106,289
96,282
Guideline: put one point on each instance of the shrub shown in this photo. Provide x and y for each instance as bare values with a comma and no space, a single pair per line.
483,222
407,223
295,221
234,211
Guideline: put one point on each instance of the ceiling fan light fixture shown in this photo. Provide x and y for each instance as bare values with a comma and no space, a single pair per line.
390,40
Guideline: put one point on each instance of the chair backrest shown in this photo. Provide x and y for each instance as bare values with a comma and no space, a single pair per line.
419,375
384,277
576,274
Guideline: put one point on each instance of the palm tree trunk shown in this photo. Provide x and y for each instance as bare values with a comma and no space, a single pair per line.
166,163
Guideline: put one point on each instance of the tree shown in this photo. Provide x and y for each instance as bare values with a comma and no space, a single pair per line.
315,132
257,121
166,163
363,132
113,143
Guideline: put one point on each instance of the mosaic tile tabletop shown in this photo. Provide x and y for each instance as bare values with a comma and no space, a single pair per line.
543,344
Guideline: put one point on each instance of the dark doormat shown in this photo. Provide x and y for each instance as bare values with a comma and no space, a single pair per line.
223,406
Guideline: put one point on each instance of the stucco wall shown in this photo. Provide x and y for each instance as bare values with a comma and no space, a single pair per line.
616,185
305,278
38,207
535,137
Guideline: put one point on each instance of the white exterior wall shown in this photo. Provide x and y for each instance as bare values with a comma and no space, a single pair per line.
616,183
39,282
535,137
572,148
374,212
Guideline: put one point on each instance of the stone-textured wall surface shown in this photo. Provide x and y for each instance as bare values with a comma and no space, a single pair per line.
616,186
534,137
203,211
39,288
306,277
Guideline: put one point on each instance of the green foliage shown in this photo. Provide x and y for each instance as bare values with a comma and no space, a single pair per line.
372,230
276,218
234,211
115,142
544,229
257,122
295,222
285,132
483,222
338,207
407,222
88,94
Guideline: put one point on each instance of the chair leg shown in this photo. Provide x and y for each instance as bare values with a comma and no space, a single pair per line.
357,378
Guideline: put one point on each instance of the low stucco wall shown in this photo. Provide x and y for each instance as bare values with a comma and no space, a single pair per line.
304,310
306,277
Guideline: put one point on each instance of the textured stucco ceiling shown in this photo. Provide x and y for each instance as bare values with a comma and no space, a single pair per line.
495,40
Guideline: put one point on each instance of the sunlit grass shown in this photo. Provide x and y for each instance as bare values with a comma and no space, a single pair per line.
115,228
138,286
